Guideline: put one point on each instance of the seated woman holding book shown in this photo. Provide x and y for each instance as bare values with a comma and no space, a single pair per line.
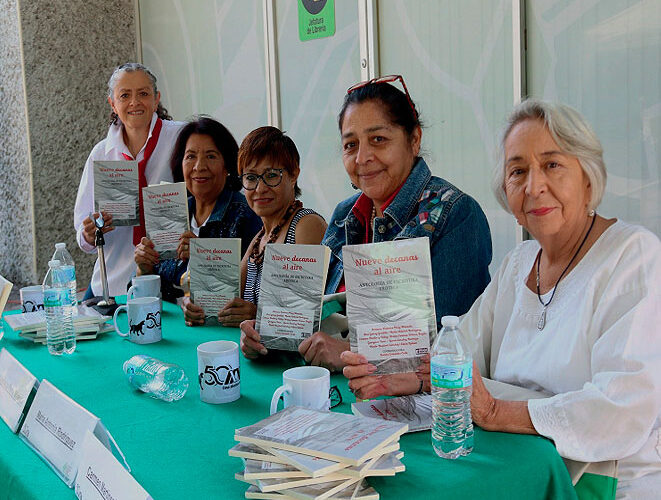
381,136
268,164
573,314
204,157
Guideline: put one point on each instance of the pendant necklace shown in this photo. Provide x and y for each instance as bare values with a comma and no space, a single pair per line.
542,317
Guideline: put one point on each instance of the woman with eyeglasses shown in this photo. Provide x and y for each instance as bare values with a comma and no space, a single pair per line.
204,157
381,135
268,164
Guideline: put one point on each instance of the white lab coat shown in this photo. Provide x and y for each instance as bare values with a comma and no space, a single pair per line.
119,246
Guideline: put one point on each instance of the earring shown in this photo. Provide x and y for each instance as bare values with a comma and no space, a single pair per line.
354,186
591,213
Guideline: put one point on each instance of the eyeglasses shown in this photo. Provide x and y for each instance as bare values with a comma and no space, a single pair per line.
272,177
385,79
335,396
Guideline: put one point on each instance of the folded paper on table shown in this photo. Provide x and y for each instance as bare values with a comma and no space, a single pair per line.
55,428
16,386
100,475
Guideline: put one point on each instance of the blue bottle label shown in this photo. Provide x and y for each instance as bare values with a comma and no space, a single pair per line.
451,377
52,298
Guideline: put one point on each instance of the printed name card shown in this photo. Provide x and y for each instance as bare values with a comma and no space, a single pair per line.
16,383
166,216
215,273
101,476
55,427
116,188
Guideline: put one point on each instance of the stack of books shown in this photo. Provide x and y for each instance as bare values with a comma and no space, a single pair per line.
87,324
309,454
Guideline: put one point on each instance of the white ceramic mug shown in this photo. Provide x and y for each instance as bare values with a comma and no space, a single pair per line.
148,285
144,320
32,298
218,371
307,386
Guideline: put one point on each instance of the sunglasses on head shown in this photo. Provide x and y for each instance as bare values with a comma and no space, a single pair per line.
385,79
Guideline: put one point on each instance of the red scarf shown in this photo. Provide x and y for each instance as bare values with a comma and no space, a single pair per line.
139,231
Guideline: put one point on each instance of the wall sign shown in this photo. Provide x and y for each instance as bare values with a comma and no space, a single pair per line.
316,19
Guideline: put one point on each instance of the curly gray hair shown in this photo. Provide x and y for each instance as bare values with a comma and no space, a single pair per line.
570,131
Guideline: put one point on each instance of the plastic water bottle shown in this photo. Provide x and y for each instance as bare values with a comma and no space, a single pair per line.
452,385
60,336
69,268
158,379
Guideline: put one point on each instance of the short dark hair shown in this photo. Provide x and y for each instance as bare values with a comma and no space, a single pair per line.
396,104
221,137
270,143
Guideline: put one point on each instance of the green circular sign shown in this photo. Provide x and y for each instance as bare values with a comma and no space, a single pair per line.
314,6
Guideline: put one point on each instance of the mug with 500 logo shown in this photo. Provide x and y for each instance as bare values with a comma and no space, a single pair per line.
218,371
144,320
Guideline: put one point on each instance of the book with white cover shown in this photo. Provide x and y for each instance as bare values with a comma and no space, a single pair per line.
333,436
16,384
360,491
414,410
254,452
267,485
166,216
215,273
257,469
116,191
390,302
315,466
291,294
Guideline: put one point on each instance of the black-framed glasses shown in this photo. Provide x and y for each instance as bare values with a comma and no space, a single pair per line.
385,79
272,177
335,396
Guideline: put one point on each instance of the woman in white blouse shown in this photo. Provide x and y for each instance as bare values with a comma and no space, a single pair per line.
140,129
575,313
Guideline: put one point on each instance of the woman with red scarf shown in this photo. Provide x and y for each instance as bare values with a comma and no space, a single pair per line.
141,130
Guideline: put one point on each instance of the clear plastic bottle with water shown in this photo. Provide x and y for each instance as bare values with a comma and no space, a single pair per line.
452,385
158,379
60,336
69,268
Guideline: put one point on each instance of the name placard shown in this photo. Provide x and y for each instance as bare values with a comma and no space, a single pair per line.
100,475
55,428
16,384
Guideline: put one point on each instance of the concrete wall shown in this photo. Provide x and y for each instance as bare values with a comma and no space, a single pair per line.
16,244
70,48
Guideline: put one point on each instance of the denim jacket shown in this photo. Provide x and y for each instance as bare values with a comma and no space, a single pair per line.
231,218
459,237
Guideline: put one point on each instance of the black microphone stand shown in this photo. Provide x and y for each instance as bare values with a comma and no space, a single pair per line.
106,304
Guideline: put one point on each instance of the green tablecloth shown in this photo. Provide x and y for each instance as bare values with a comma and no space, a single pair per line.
179,450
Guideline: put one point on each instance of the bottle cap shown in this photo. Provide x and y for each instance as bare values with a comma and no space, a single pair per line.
60,245
449,321
54,263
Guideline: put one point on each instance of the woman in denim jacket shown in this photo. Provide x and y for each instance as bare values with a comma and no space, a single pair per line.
400,198
204,157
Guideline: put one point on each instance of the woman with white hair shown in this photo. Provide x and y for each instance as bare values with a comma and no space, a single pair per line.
573,314
140,129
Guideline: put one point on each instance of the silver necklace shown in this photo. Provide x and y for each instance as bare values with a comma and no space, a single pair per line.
541,323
